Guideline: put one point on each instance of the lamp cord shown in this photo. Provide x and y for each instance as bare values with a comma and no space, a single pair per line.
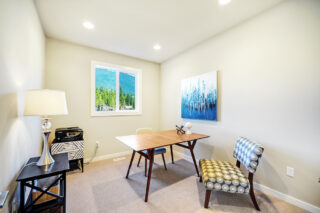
93,156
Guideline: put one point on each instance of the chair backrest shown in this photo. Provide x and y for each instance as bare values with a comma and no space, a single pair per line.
248,153
143,130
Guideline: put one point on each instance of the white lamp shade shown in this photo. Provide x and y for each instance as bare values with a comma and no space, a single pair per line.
45,102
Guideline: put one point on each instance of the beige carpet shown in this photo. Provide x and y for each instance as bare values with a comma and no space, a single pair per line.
103,188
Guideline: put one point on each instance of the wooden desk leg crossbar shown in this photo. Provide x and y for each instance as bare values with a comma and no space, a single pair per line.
150,157
191,147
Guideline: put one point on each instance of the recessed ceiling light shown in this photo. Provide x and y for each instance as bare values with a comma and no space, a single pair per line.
156,47
88,25
224,2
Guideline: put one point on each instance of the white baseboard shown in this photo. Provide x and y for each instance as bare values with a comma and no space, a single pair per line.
267,190
287,198
184,156
109,156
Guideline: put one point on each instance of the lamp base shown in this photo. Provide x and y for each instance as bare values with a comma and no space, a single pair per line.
46,158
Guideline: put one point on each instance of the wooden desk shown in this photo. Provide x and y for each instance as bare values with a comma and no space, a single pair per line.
152,140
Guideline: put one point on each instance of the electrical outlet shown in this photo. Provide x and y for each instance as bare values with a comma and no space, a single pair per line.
98,144
290,171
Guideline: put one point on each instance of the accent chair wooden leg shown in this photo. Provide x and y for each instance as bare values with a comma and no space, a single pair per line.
145,167
133,153
139,161
206,202
200,179
164,162
252,196
171,150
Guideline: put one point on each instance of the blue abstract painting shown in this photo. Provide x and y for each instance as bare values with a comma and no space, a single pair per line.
199,97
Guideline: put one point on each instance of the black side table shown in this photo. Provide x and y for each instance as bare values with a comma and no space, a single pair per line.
32,172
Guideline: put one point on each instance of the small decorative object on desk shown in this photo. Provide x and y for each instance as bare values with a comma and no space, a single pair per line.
188,125
180,130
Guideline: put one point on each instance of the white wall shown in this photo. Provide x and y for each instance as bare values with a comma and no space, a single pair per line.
68,68
269,91
22,45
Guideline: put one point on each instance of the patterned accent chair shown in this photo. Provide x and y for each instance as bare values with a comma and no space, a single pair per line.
227,177
157,151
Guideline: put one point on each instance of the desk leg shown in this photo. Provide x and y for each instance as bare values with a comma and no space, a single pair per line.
22,210
191,147
171,154
151,157
133,153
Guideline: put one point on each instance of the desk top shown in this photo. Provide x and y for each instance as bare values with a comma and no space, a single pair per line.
152,140
31,171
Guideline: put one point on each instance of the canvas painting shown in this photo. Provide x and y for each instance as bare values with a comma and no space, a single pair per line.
199,97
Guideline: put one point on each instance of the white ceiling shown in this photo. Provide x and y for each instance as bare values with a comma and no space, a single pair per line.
132,27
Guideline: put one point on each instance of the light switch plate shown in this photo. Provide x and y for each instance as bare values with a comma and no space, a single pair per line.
290,171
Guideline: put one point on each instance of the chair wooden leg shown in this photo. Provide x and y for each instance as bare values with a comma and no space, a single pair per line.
164,162
145,167
171,150
206,202
252,196
200,179
139,161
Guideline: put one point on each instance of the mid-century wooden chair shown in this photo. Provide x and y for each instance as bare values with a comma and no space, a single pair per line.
224,176
157,151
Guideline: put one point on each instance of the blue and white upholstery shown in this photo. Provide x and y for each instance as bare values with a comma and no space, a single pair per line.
248,153
225,176
157,151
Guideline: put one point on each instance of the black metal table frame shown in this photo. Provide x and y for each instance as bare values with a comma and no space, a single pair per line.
150,157
60,197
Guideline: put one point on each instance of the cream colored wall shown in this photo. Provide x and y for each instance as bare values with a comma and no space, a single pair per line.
68,68
22,44
269,92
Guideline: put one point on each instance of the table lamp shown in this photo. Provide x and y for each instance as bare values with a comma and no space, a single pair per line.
45,103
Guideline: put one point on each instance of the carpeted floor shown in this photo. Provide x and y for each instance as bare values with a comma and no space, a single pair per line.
103,188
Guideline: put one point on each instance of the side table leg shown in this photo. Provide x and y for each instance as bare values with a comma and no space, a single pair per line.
64,192
22,197
82,165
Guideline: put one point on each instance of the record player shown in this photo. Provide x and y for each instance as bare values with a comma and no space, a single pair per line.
68,134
